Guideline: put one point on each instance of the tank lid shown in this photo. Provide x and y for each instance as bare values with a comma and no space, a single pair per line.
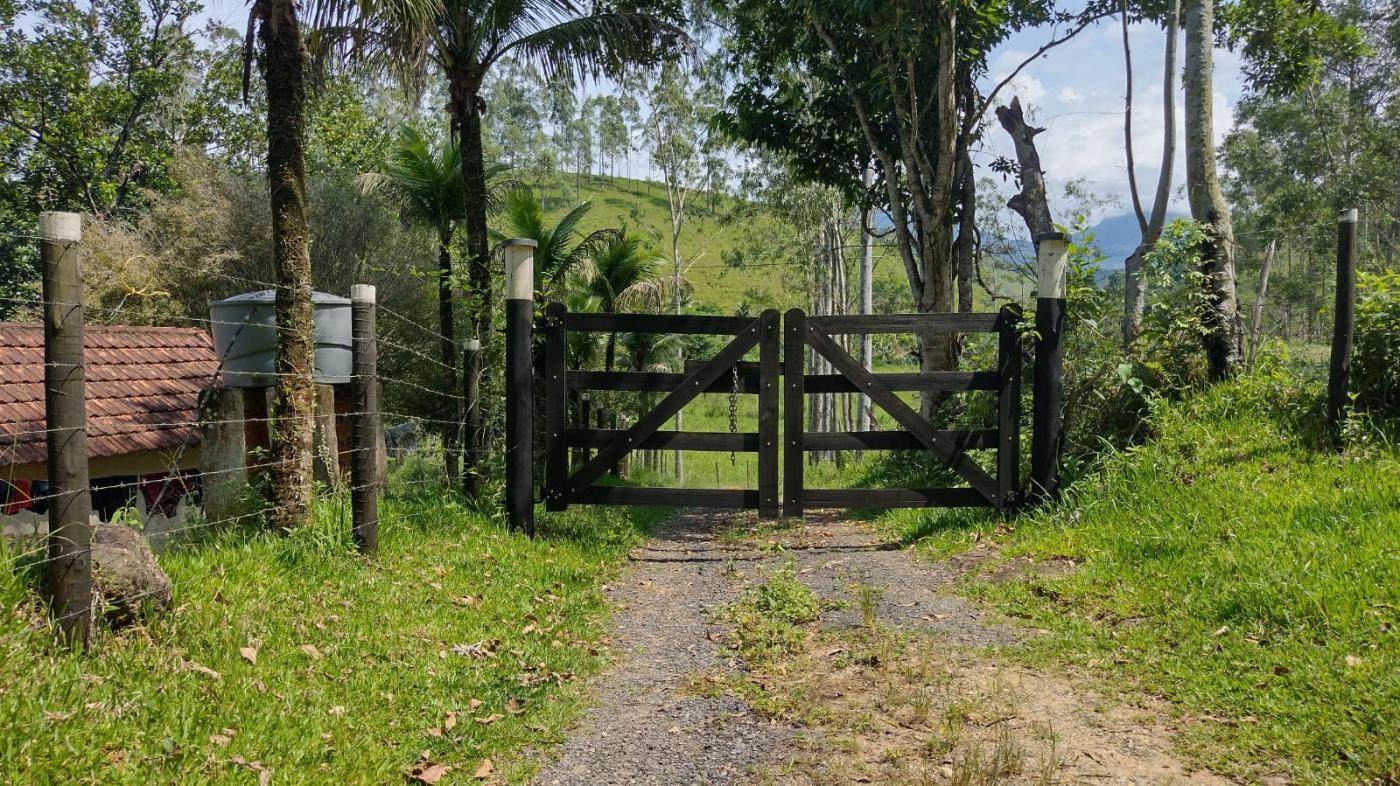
270,296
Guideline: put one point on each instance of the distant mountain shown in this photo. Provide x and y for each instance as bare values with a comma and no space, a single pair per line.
1117,236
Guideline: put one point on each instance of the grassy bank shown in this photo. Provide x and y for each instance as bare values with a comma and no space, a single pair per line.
456,644
1234,568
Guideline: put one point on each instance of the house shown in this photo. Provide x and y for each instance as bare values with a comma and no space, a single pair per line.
144,387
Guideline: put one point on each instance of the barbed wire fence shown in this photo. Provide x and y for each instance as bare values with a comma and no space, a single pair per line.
57,493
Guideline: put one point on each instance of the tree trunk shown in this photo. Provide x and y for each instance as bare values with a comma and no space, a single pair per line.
867,294
676,206
1134,289
1222,326
284,71
448,347
465,107
1257,323
1030,203
967,227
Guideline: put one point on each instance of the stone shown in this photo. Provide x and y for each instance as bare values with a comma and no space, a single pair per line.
127,581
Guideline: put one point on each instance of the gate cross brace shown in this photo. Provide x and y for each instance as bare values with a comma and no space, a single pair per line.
954,458
693,385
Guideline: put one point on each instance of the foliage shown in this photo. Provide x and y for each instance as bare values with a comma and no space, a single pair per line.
424,182
1375,373
769,615
1173,327
92,100
560,247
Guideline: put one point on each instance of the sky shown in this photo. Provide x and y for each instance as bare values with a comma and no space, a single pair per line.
1075,91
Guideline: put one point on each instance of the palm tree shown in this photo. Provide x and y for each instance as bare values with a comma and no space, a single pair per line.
557,253
465,38
656,353
425,184
625,273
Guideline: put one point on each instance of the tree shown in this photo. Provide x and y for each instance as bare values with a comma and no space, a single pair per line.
1149,227
560,247
283,60
425,184
831,83
88,100
1223,327
624,273
465,40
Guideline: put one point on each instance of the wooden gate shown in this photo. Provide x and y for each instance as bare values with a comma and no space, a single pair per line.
565,485
951,447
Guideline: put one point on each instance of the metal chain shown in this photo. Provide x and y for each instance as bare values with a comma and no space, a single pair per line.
734,410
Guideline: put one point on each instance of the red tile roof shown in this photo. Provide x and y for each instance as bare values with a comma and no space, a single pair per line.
143,386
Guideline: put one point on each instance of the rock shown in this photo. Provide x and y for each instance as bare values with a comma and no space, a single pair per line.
126,578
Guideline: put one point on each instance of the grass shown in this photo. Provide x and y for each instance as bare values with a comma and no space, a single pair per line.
456,644
1233,567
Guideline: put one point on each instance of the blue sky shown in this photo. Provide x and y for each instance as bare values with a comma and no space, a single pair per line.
1076,92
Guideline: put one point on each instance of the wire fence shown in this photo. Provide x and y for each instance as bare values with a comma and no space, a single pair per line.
200,450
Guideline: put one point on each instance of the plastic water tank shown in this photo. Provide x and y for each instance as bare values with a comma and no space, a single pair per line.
244,329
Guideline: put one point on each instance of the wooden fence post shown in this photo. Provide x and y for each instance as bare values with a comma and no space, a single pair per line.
364,425
794,367
520,387
69,584
1052,272
1344,325
471,395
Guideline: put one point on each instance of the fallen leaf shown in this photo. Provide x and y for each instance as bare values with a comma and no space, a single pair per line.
1221,631
338,710
434,732
467,600
490,719
1353,661
220,739
474,703
449,721
428,772
484,770
1282,670
312,652
514,708
249,654
205,670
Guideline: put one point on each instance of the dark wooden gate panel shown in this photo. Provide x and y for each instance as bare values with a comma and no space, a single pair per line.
561,487
951,447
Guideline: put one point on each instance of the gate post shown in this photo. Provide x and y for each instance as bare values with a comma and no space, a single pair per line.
520,393
1344,325
1052,272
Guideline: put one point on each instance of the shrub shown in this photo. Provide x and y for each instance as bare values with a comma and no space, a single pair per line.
1376,357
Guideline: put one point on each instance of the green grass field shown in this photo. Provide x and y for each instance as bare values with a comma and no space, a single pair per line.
1233,567
456,644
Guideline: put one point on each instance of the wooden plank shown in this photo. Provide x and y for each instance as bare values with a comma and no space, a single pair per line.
985,439
658,323
951,381
714,441
895,498
769,326
794,401
670,497
886,399
556,402
654,381
647,424
905,323
1009,409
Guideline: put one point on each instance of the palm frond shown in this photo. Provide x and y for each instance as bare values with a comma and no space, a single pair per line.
591,45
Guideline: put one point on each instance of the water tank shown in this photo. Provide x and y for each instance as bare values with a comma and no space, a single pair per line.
244,329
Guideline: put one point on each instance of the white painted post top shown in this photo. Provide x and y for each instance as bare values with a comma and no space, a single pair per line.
472,345
1347,216
520,268
1052,264
55,225
362,293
